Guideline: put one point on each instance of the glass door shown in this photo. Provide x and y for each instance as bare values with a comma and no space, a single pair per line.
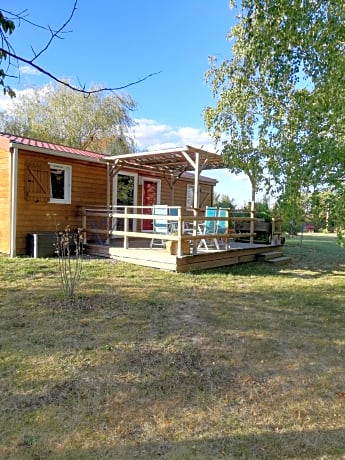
125,194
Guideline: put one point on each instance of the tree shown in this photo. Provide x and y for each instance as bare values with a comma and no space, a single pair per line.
224,201
282,91
58,114
9,57
6,28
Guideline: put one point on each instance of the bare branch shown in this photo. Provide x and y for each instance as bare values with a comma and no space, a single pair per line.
68,85
7,51
56,34
20,17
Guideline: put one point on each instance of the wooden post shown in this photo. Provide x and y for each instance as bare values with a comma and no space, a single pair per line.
83,223
273,235
196,181
252,222
108,201
196,200
172,190
126,228
179,231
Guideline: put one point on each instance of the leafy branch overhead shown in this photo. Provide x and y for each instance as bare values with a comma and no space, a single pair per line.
280,95
9,59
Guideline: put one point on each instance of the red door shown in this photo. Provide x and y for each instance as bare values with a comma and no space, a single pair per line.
150,193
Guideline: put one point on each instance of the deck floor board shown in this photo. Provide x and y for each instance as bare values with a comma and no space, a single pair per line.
140,253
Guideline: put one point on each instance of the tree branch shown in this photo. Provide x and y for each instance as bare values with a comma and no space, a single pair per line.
56,33
7,50
68,85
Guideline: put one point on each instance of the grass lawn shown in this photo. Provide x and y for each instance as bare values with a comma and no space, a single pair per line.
245,362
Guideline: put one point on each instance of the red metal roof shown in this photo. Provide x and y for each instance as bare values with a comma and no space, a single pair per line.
164,161
26,141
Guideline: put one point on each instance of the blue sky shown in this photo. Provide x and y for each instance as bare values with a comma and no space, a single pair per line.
115,42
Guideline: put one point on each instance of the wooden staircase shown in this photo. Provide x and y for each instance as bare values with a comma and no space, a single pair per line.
275,257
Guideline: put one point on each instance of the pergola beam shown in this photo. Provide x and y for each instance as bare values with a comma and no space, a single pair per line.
173,162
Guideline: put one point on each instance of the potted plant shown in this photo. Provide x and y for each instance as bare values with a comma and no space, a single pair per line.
172,246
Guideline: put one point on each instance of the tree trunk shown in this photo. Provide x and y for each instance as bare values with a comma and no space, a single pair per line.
252,210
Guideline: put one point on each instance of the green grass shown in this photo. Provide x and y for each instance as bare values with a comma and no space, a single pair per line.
245,362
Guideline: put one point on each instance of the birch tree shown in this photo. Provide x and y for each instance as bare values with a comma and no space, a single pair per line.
282,91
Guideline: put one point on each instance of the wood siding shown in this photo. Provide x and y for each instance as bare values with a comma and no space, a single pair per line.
89,189
5,204
178,196
89,185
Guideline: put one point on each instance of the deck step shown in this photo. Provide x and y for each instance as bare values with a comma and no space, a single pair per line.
266,256
284,260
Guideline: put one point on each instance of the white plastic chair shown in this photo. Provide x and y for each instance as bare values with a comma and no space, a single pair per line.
160,226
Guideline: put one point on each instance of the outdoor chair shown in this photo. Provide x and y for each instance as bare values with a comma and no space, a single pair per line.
212,227
173,223
209,228
222,227
160,226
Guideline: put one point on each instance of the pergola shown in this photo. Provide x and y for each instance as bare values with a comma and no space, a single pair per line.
172,163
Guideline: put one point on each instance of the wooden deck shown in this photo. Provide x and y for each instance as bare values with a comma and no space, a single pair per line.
140,254
133,246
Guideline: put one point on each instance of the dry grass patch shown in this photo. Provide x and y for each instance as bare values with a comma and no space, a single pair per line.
244,362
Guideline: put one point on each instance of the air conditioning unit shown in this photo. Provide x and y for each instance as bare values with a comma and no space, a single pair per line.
41,244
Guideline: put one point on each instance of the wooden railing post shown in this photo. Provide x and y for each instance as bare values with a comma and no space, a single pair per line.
126,228
83,222
252,222
195,230
179,232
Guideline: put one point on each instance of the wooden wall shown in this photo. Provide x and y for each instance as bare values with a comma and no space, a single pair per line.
180,192
178,196
89,189
89,185
5,191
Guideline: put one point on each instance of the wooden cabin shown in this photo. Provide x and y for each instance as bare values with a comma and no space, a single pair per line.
44,186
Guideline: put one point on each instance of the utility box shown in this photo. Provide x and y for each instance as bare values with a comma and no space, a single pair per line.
41,244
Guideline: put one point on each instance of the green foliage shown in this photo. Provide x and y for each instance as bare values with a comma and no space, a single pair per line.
61,115
7,27
280,96
224,201
337,211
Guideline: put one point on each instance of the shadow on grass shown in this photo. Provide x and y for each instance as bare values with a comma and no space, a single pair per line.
150,346
308,445
317,256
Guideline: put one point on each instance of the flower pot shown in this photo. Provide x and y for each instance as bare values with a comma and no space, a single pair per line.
172,247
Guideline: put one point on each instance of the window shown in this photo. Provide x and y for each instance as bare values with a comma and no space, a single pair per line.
190,196
60,183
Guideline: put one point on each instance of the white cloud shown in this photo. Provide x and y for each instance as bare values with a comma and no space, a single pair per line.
152,135
4,101
28,70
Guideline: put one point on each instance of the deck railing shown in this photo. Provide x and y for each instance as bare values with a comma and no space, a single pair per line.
104,224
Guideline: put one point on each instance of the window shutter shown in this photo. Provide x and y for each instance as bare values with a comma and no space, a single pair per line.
36,180
204,196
